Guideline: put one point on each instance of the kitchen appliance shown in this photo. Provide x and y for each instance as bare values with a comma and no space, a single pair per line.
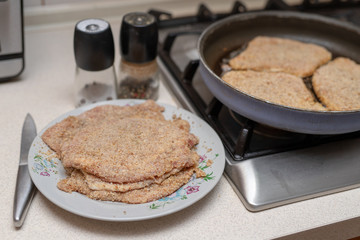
11,39
267,166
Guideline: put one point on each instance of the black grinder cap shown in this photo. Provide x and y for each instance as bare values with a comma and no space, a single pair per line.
93,45
138,37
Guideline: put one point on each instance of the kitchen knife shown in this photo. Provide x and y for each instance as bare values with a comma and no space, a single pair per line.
25,188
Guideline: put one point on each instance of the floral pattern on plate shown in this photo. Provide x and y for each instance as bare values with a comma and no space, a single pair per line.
44,166
192,187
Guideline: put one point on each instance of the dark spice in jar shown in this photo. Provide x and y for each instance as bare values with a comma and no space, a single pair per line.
139,73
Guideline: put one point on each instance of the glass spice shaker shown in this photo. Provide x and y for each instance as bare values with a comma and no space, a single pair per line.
95,78
139,73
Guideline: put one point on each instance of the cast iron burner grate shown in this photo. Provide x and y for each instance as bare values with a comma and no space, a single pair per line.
267,167
242,137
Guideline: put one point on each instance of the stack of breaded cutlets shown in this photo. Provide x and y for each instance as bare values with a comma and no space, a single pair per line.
128,154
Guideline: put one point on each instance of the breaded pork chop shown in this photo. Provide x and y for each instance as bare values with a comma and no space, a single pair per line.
281,55
123,144
77,183
337,84
129,149
64,131
279,88
95,183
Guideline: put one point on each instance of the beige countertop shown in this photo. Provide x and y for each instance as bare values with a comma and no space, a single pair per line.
45,90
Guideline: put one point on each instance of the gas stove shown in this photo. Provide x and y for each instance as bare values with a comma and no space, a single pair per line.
266,167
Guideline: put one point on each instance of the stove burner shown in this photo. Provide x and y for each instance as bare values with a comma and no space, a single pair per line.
264,130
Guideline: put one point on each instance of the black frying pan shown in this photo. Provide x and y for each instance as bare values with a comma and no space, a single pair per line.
341,38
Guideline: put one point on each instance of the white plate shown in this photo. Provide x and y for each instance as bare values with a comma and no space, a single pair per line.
46,171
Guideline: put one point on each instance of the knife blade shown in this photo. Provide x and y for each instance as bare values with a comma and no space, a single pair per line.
25,189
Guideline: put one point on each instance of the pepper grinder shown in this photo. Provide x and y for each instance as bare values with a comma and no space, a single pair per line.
139,73
95,78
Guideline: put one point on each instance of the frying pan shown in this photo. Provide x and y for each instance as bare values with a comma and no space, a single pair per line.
340,38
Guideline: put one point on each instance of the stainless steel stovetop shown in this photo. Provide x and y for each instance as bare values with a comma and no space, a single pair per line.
276,167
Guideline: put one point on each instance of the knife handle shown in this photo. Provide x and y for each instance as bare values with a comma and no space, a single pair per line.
24,193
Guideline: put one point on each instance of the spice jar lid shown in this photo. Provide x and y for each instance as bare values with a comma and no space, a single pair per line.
93,45
138,37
